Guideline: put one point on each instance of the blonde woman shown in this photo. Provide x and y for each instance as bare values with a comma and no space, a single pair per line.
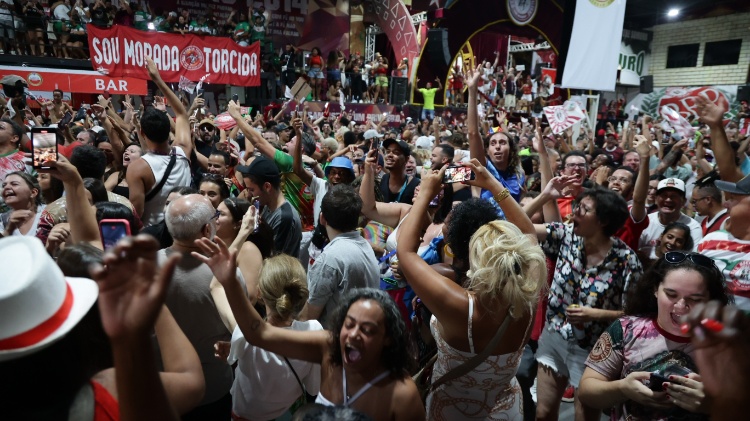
506,272
265,384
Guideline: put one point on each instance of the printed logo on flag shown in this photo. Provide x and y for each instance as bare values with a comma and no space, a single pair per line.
191,58
601,3
561,117
522,11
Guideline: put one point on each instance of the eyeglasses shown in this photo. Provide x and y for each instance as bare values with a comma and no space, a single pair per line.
677,257
695,200
572,165
577,209
217,214
612,179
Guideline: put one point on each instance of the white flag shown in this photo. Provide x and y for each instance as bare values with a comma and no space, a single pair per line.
673,119
561,117
594,48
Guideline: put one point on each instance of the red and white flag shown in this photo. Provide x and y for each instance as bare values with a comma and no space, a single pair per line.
677,122
561,117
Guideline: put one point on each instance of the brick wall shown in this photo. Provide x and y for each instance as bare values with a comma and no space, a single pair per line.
700,31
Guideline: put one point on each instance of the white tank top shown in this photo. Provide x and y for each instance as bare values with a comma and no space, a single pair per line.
153,210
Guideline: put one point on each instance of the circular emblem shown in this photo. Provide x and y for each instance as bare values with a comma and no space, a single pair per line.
601,3
191,58
522,11
34,79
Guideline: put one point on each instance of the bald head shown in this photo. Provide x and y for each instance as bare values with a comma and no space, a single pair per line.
187,217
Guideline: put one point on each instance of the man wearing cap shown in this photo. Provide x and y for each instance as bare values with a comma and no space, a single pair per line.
670,199
263,180
164,166
294,190
206,136
396,186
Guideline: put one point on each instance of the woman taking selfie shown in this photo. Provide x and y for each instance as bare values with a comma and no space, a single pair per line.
506,272
650,339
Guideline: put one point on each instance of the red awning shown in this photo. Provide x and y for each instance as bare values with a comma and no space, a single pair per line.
75,81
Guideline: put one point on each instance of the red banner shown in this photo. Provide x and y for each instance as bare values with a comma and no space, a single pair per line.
41,79
120,51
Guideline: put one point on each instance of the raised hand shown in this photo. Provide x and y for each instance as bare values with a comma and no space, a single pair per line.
642,146
216,255
710,113
132,287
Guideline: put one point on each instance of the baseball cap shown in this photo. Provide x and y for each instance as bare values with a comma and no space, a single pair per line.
207,121
741,187
446,133
340,162
281,127
405,150
671,183
372,133
38,304
261,168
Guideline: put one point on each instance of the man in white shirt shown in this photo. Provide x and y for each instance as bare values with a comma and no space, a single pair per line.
670,199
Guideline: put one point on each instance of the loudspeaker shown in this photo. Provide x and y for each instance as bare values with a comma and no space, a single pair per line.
647,84
437,45
743,93
399,87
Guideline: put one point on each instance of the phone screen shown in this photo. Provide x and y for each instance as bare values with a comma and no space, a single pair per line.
113,230
235,98
457,175
63,123
44,142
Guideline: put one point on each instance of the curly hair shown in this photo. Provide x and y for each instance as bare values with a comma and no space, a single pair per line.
396,356
466,218
641,300
514,160
611,208
506,266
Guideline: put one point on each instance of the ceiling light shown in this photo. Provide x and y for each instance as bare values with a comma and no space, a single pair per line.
673,12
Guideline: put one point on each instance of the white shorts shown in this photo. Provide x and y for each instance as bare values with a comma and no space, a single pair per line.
510,100
526,97
565,358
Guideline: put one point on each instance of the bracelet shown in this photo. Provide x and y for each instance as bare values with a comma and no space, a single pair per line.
499,197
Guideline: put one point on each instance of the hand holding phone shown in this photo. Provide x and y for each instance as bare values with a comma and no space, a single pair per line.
113,230
458,174
44,144
236,98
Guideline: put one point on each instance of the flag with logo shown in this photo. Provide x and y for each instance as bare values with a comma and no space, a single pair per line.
673,120
560,117
594,49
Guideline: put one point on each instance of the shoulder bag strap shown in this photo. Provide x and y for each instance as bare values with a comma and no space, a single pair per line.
474,361
304,389
170,166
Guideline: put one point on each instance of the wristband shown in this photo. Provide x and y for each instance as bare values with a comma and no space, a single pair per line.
499,197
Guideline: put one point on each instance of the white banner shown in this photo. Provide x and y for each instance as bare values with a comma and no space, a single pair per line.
594,45
634,63
560,117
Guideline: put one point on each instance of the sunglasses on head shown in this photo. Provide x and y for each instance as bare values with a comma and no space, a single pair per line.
677,257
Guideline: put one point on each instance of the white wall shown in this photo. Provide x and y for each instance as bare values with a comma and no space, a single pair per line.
720,28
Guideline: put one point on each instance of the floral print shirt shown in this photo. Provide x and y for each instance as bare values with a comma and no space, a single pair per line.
602,286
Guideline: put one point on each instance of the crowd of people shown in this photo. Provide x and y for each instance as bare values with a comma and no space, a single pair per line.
58,28
290,267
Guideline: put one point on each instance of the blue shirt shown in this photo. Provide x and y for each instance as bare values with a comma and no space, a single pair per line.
509,180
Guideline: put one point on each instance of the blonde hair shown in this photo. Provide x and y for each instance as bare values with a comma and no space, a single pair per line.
424,155
283,285
331,144
506,266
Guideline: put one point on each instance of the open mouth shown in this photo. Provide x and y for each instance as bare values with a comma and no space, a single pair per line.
676,319
352,355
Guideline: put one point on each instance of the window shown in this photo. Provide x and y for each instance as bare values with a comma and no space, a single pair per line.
722,52
682,56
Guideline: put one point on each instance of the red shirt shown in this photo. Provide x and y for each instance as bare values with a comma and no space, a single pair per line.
630,233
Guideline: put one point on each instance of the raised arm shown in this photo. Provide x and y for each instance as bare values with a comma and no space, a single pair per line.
713,115
250,133
476,147
389,214
640,190
297,167
306,346
182,135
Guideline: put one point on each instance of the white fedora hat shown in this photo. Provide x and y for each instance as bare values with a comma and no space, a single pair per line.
38,305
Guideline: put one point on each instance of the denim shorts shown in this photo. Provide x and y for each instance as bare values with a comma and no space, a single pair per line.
564,357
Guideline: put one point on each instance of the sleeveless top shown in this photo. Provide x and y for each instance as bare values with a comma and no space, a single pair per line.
153,210
490,391
349,399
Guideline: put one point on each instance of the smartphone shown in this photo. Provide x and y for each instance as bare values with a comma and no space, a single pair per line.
44,144
256,203
435,202
656,382
113,230
457,174
200,91
236,98
63,123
